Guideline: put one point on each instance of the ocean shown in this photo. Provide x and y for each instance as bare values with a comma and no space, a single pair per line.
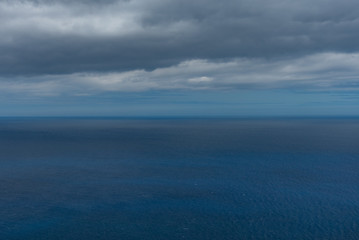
197,179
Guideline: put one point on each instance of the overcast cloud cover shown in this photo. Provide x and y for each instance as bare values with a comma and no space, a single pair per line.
82,47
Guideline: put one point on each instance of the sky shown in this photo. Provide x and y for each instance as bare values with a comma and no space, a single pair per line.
179,58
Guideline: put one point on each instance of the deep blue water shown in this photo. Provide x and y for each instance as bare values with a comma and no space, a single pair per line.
179,179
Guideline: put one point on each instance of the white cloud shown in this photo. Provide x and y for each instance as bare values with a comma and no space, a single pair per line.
114,19
319,71
200,79
120,18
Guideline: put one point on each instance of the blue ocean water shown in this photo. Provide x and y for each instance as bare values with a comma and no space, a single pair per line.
179,179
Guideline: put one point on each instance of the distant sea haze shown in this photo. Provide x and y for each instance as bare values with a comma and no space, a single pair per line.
196,179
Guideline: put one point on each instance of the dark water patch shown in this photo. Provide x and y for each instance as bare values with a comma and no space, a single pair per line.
179,179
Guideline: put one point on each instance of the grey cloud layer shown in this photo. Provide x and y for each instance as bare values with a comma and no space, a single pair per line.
67,37
328,71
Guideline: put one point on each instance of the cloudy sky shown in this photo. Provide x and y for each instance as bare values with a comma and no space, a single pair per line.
179,57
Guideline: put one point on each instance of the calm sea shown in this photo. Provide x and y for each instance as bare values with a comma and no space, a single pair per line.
197,179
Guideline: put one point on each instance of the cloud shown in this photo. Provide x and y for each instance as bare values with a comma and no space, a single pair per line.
200,79
326,71
62,37
59,47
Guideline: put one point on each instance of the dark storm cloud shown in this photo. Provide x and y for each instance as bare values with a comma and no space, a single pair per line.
62,37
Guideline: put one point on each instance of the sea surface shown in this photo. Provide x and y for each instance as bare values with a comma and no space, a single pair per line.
196,179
